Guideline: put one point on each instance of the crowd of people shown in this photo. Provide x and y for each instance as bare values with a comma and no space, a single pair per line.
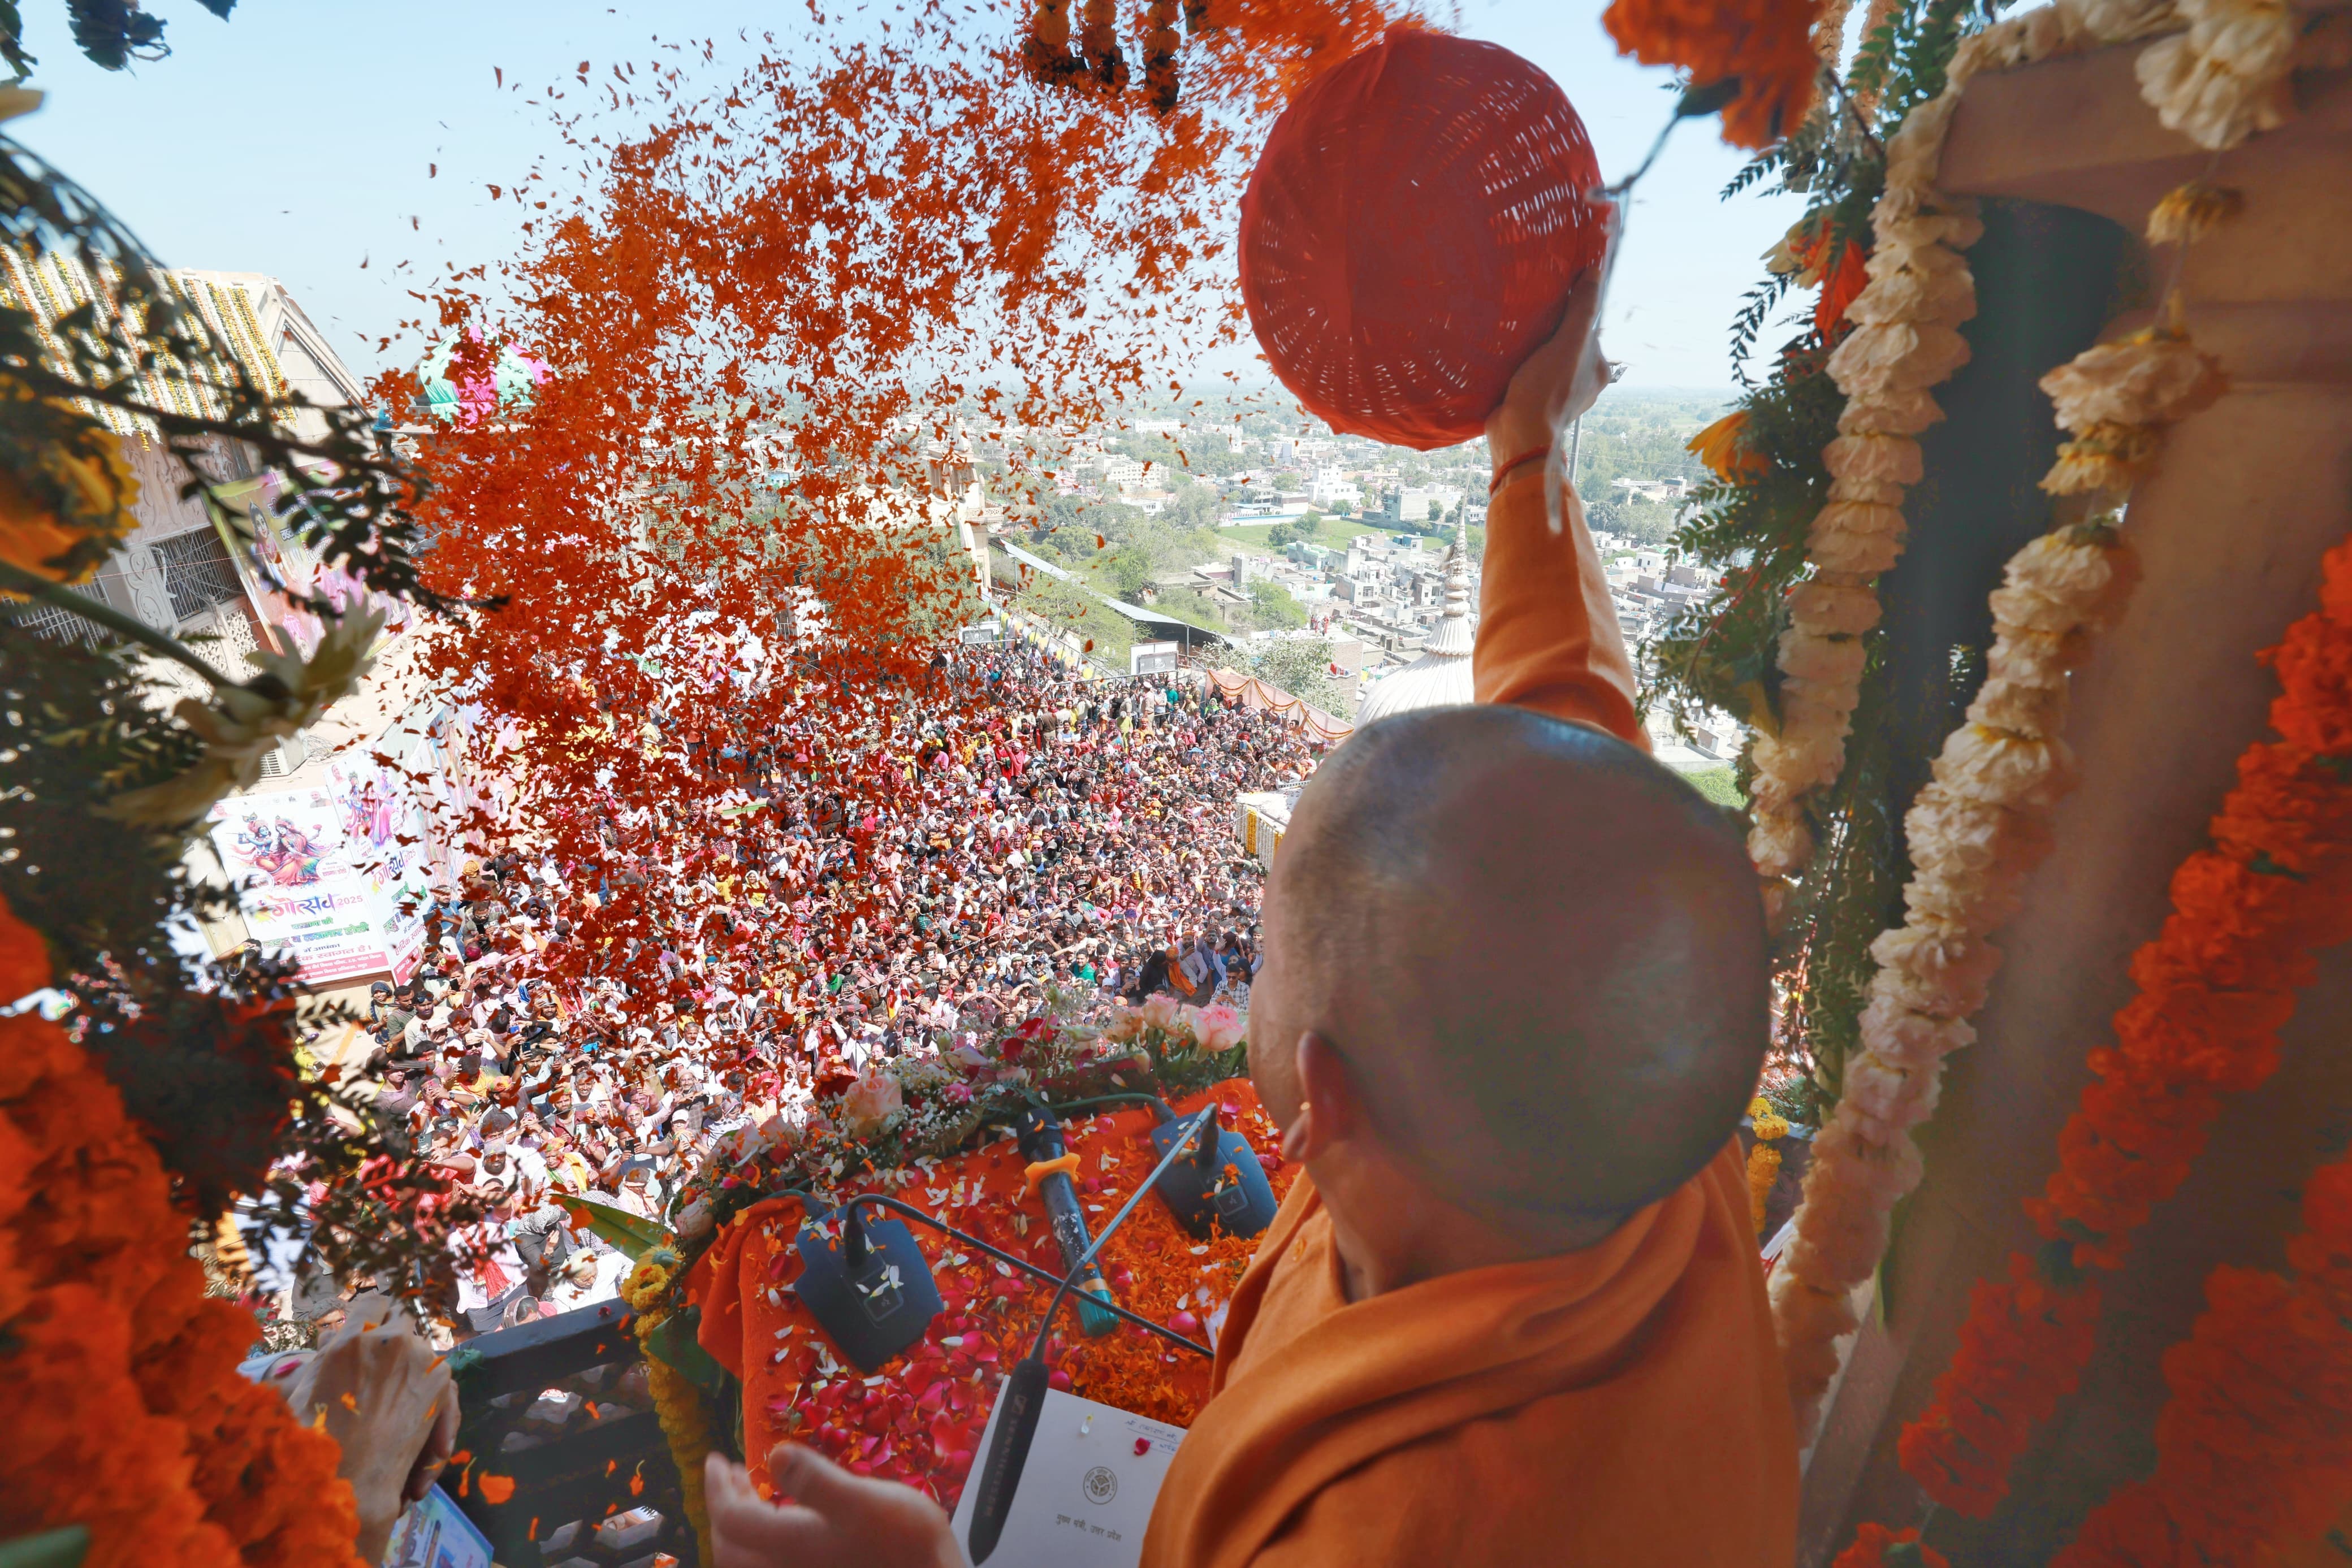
1047,839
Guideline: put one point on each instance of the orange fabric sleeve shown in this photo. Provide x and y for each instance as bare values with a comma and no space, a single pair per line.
1547,633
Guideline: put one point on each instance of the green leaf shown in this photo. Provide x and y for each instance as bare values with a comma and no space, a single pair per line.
1698,101
12,41
673,1342
113,33
631,1236
63,1547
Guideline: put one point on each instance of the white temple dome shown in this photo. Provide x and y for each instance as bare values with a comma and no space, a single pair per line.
1441,678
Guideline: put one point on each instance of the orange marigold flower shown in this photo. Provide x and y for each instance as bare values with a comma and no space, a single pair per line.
1766,43
1847,276
63,521
2215,988
124,1409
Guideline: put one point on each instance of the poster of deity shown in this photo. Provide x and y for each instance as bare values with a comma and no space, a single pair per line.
303,889
389,836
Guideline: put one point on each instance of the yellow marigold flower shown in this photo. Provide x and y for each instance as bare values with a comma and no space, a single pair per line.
1763,1170
68,541
1720,448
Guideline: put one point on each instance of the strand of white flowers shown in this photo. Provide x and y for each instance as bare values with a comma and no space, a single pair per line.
1982,823
1905,342
2223,77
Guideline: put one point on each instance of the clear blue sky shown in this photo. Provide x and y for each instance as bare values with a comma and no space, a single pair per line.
224,155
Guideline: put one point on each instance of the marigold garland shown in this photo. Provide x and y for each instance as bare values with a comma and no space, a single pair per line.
1906,343
2254,1445
2215,988
1981,824
677,1404
119,1388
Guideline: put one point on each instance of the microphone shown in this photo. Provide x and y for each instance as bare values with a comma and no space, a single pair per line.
1023,1403
1020,1407
1043,1146
1201,1197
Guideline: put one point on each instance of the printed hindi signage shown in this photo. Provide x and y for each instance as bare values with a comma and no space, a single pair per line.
302,891
388,832
335,874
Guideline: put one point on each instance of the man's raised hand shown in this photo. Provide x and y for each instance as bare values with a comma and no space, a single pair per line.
1557,383
834,1519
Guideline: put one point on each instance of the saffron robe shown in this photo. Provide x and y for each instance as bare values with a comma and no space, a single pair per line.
1621,1404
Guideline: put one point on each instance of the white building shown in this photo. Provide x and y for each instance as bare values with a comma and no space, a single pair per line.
1330,486
1665,490
1441,678
174,571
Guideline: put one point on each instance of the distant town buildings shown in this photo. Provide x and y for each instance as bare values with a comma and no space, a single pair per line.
1673,492
1367,531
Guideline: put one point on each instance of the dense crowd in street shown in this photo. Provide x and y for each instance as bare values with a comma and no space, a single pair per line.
1053,835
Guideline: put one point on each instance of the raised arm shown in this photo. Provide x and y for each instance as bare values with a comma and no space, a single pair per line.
1547,634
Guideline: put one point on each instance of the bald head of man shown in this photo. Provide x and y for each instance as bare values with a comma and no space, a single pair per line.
1515,984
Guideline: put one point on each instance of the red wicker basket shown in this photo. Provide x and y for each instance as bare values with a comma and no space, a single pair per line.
1410,234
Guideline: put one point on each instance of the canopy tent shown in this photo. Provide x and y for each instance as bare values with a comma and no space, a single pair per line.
1256,694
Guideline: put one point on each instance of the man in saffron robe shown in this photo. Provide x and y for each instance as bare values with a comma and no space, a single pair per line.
1513,1003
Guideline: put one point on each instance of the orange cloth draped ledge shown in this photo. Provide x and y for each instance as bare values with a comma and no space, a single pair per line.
919,1418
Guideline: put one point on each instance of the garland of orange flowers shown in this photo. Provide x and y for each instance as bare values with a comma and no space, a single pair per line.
2253,1450
119,1389
2215,988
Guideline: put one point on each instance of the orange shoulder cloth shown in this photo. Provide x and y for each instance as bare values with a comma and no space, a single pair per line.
1621,1404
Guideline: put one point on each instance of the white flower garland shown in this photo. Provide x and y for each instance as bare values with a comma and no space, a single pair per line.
2217,82
1918,294
1982,823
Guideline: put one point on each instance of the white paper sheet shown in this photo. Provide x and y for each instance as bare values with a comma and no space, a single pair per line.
1086,1492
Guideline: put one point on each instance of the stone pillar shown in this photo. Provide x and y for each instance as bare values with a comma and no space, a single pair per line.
2231,529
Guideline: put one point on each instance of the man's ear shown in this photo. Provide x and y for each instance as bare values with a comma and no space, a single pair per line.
1328,1110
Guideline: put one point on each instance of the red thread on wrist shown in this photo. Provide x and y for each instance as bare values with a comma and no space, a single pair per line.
1520,461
